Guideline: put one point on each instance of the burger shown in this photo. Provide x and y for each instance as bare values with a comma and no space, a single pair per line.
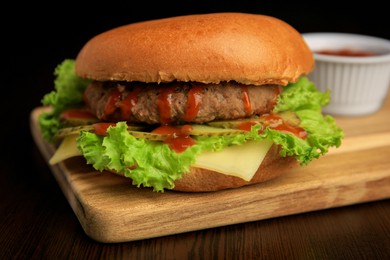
192,103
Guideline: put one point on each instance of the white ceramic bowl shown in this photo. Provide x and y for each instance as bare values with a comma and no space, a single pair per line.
358,85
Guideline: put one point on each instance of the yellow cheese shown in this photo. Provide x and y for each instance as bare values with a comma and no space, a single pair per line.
241,161
67,149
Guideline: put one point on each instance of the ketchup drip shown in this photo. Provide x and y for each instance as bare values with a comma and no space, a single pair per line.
164,102
178,138
193,102
115,96
246,126
298,131
77,113
101,128
277,123
128,103
246,99
115,101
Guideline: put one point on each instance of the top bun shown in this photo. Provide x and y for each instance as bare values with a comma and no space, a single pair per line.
209,48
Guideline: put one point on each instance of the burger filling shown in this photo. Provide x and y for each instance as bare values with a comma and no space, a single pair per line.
105,122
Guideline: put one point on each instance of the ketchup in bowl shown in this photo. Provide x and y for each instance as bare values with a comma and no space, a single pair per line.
347,52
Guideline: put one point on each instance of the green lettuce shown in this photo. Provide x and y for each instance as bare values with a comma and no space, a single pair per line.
68,93
306,101
154,164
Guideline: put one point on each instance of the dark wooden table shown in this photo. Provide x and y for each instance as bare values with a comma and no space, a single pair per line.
36,222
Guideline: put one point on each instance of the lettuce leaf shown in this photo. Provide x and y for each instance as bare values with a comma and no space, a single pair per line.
68,93
147,163
302,95
306,101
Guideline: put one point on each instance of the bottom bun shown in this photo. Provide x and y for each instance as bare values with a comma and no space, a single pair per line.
203,180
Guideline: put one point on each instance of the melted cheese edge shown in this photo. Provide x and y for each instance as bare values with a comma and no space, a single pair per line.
241,161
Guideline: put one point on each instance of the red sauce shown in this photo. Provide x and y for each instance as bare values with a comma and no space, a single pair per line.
128,103
114,97
193,102
246,126
164,102
347,52
276,122
246,99
77,113
101,128
297,131
178,139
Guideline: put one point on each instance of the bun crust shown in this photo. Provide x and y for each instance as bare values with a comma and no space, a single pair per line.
208,48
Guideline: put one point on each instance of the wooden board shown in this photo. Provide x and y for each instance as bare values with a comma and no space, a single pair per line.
110,209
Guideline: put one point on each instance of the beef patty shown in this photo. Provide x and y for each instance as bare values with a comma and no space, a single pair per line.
178,102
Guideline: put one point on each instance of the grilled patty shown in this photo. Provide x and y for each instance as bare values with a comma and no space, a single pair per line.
178,102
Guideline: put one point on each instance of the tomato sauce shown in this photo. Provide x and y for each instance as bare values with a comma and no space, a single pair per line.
193,103
347,52
246,126
178,137
164,102
246,100
77,113
277,123
128,103
101,128
114,97
297,131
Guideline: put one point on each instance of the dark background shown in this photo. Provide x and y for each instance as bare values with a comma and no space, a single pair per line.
36,37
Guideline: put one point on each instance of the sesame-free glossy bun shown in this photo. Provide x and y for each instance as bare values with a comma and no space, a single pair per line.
208,48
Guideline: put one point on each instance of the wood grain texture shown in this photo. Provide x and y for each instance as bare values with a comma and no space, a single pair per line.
111,210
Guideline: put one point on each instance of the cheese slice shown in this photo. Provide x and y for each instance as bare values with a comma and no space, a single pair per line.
67,149
240,160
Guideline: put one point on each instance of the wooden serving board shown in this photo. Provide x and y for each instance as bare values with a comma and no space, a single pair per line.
111,210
